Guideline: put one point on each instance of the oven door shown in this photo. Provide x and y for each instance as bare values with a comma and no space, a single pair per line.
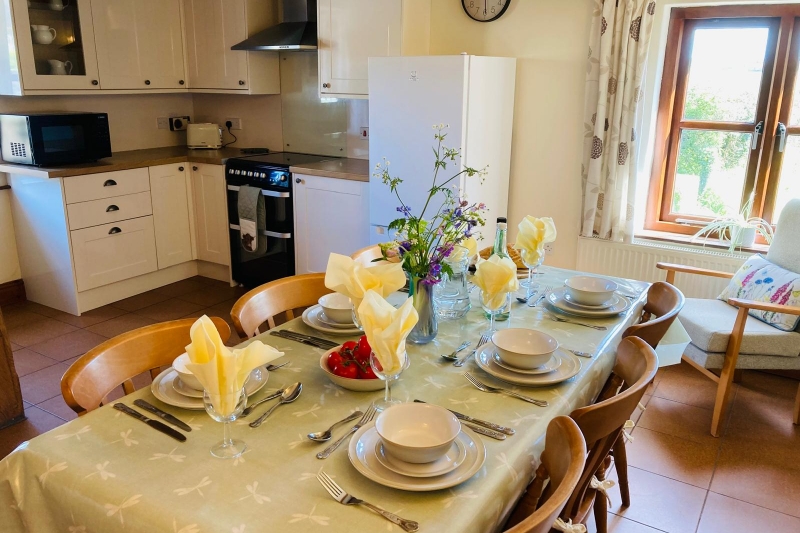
63,139
277,261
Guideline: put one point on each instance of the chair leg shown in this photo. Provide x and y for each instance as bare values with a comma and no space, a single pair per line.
600,506
621,466
728,369
797,407
737,375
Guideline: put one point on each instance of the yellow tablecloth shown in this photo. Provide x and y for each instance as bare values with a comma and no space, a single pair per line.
106,472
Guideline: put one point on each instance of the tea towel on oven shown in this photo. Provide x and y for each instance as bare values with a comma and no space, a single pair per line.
252,220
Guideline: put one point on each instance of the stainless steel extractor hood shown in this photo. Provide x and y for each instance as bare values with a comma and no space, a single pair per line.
297,30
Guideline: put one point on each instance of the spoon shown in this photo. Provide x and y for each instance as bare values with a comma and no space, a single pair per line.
453,356
270,368
249,408
288,395
323,436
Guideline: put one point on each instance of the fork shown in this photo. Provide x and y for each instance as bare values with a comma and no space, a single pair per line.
369,414
486,388
560,319
483,340
344,498
541,297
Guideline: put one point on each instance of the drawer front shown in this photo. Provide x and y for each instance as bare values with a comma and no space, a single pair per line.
106,185
113,252
97,212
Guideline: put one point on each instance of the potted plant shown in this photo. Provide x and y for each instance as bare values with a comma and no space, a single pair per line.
740,230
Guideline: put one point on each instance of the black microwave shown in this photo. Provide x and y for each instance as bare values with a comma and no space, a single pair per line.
47,139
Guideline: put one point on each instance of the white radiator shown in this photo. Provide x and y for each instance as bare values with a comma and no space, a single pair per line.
638,261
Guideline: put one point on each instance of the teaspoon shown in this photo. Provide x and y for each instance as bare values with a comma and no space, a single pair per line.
453,355
288,395
277,393
324,436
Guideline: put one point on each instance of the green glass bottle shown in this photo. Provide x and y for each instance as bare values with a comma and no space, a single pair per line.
500,249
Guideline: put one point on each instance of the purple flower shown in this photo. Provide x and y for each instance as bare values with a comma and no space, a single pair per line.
404,247
457,212
405,210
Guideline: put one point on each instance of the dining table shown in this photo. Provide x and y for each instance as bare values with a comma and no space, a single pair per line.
106,472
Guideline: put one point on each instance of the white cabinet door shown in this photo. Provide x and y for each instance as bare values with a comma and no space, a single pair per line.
139,44
68,61
350,32
331,215
211,213
113,252
170,193
212,27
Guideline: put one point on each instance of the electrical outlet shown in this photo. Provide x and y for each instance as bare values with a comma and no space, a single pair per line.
236,123
163,123
179,123
550,247
364,133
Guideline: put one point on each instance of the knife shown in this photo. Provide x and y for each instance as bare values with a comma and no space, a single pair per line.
486,431
163,415
484,423
305,339
300,340
155,424
318,340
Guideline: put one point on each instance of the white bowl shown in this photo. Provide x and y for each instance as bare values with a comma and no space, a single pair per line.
524,348
417,432
590,290
188,379
337,307
357,385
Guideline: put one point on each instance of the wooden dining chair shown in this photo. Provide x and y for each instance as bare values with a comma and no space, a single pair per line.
102,369
367,255
282,296
602,425
562,463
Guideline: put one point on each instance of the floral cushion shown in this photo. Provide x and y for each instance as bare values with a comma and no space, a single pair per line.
762,281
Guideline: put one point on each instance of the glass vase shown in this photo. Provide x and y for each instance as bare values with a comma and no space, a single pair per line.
452,293
428,326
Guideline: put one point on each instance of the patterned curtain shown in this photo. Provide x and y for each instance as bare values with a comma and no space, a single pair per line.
618,44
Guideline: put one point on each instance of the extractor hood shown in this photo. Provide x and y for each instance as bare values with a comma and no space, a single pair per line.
297,30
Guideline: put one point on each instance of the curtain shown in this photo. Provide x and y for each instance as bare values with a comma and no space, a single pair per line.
618,44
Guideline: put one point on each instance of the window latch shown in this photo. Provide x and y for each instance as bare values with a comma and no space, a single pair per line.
757,132
781,137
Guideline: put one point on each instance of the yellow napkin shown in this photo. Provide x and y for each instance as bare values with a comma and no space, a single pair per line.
353,279
223,371
471,245
496,277
387,328
533,234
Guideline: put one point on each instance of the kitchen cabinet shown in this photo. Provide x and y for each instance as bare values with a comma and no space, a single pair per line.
169,187
139,44
351,31
212,28
59,55
211,213
331,215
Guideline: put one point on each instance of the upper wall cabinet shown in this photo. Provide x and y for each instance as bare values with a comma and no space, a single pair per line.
55,46
139,44
212,28
351,31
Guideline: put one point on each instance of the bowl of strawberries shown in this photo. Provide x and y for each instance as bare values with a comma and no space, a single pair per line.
348,366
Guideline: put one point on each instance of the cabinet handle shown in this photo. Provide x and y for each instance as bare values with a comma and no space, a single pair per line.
241,82
194,168
180,169
181,82
114,230
298,180
109,183
147,82
111,208
326,85
95,82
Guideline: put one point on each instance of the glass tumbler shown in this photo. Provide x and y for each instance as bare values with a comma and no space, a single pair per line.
229,448
452,293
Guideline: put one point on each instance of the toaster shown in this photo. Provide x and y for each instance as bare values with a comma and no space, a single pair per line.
204,135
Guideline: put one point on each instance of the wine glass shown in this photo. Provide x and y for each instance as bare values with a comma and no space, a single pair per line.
494,305
229,448
529,283
387,378
356,321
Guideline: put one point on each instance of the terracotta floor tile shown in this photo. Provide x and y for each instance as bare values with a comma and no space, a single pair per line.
209,296
173,290
660,502
727,515
15,347
42,384
172,309
686,385
16,315
27,361
140,301
678,419
89,318
70,345
618,524
119,325
672,457
38,422
37,331
764,399
57,406
637,413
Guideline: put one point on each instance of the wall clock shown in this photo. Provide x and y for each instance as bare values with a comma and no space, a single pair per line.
485,10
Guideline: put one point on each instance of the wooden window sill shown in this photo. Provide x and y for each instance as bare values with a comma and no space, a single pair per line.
688,240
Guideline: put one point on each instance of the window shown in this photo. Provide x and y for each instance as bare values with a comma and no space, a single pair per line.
728,126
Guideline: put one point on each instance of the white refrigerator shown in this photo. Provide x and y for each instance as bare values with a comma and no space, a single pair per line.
474,95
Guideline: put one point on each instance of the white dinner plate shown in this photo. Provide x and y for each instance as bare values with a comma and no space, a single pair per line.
552,364
362,456
570,366
447,463
311,319
327,322
164,391
184,390
600,307
618,305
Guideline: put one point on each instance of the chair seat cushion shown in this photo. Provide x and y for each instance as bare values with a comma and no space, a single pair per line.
709,323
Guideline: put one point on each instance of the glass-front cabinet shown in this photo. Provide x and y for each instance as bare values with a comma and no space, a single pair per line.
55,39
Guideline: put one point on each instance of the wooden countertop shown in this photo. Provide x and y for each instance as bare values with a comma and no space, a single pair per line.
345,169
128,160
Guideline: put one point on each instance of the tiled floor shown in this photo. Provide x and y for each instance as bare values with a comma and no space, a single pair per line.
681,478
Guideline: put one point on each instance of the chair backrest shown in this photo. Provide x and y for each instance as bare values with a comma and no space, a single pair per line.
784,251
367,255
664,301
105,367
602,422
284,295
563,460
